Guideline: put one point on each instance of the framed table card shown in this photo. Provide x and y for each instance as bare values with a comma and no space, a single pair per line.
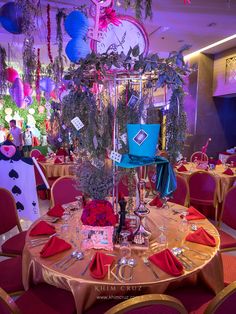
97,237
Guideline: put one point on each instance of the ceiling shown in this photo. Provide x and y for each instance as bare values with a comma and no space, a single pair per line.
173,24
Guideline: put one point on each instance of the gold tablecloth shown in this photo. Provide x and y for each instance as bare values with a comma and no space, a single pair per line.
58,170
87,290
224,181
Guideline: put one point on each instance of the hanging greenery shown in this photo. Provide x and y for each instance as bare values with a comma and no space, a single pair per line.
60,18
139,6
3,66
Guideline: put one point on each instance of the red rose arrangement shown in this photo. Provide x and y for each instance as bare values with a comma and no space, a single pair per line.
99,213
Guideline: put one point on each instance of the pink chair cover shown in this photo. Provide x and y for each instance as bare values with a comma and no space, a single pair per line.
7,211
202,187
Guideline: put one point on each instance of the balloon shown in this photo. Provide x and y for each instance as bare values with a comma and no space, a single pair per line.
17,92
11,74
27,89
11,18
47,84
76,24
41,109
76,49
31,111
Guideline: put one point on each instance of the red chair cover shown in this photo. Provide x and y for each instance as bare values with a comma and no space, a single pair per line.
180,196
64,191
11,275
202,188
229,268
15,244
231,158
229,216
35,153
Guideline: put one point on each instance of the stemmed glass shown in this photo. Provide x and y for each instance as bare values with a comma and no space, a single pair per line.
162,238
184,222
165,204
125,248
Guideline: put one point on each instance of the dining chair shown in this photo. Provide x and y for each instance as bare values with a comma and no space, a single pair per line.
11,275
181,194
203,190
199,299
199,156
39,299
227,241
150,303
230,159
64,191
224,301
229,268
35,153
9,220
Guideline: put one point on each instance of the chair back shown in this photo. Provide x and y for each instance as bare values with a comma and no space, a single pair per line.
8,212
123,185
63,191
7,304
229,208
199,156
202,187
150,303
231,159
224,301
35,153
181,194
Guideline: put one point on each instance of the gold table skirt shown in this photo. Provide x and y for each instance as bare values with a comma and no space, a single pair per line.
58,170
224,181
87,290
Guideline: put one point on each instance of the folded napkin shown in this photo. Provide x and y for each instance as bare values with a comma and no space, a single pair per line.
56,211
98,266
201,236
229,172
182,168
53,246
156,202
42,228
218,162
167,262
58,161
193,214
41,158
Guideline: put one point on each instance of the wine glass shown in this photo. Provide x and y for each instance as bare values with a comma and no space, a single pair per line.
165,204
125,248
162,238
184,222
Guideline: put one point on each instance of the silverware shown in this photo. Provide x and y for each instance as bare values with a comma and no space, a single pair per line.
66,259
147,263
205,255
86,267
78,257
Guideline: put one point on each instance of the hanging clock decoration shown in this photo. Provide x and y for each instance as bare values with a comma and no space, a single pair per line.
119,38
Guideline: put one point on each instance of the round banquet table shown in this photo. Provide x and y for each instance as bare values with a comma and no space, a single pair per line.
87,290
58,170
224,181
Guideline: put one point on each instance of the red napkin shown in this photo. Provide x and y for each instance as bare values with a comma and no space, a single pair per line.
182,168
201,236
167,262
42,228
41,158
156,202
193,214
53,246
56,211
58,161
98,266
218,162
229,172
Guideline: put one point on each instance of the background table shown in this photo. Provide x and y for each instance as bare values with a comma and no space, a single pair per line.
224,181
86,290
58,170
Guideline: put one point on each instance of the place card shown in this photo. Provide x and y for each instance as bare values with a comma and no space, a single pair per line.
115,156
78,124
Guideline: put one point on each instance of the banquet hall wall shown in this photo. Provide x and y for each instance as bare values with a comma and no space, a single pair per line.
208,116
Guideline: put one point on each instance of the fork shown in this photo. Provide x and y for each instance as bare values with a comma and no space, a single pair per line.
65,259
147,263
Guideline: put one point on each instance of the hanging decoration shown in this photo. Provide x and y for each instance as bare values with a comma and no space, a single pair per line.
109,17
29,59
3,67
11,75
17,92
140,6
38,77
187,1
49,33
60,17
11,17
76,25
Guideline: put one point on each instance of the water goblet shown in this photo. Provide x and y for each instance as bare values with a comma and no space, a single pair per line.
184,222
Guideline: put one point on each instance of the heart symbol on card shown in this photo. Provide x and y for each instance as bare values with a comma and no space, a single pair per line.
8,150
